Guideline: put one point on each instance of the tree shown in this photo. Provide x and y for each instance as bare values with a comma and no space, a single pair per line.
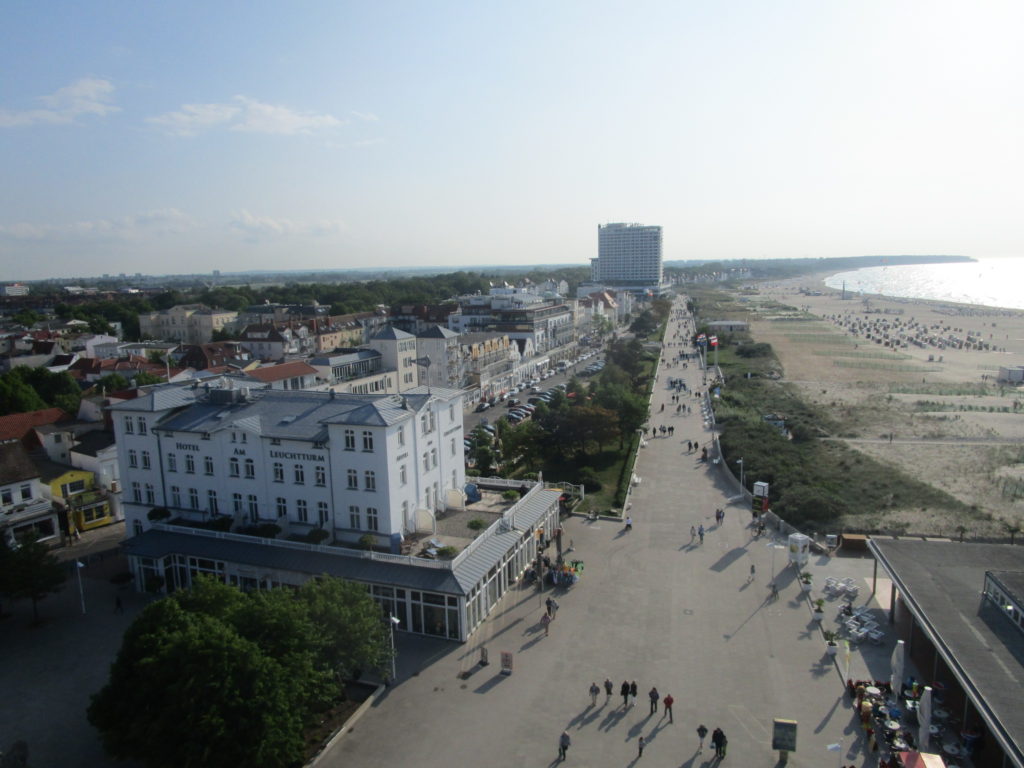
31,571
214,676
113,382
143,378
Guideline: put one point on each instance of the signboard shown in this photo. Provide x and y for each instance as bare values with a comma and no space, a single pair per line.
506,662
784,735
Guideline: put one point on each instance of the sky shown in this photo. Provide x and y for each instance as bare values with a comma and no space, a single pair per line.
181,137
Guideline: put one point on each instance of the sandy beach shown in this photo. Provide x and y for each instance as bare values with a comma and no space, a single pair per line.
913,383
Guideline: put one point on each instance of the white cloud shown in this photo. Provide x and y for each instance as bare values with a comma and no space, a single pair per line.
368,117
193,118
244,114
161,221
258,228
87,96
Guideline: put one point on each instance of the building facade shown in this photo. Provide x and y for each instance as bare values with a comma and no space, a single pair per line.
628,255
187,323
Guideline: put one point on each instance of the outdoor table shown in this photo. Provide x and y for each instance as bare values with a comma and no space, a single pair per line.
892,725
872,691
951,749
899,745
934,730
940,714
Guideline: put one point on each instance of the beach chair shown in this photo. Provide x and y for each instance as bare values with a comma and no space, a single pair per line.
876,636
858,635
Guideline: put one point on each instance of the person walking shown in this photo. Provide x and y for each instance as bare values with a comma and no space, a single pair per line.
564,742
608,688
632,694
594,690
545,621
118,606
654,697
700,532
624,693
753,572
668,701
702,731
629,522
693,534
641,743
548,605
716,741
723,742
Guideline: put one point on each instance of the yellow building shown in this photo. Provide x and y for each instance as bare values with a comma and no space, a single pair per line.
85,505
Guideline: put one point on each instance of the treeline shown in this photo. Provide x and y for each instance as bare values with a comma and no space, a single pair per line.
25,389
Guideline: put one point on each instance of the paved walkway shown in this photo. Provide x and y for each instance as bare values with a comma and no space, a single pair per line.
651,607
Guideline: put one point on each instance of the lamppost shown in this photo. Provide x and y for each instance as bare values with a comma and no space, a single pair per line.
742,484
392,623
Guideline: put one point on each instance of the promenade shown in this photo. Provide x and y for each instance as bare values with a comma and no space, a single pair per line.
651,607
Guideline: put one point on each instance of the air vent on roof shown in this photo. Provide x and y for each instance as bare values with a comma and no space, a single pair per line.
287,419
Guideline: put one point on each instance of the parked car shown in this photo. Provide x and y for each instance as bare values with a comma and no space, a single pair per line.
482,407
512,402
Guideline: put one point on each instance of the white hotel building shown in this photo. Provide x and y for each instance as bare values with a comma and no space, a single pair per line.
351,465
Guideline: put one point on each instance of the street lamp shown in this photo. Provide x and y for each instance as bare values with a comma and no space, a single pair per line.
393,622
742,484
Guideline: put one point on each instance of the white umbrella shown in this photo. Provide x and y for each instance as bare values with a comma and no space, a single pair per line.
896,678
924,717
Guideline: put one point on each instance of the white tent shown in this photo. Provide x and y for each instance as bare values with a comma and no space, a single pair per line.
924,717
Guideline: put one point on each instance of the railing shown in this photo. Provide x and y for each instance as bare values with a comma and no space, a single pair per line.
507,519
324,549
26,509
87,498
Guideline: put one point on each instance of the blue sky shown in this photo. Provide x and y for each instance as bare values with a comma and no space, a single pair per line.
164,137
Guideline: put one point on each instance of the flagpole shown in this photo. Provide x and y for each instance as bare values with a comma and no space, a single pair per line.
81,592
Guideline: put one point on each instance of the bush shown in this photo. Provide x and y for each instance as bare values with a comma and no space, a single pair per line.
218,523
156,514
588,479
367,541
754,350
476,524
447,553
510,495
317,536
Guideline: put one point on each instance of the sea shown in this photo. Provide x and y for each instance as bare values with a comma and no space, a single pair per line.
990,282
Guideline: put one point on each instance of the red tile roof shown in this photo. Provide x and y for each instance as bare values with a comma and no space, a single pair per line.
20,426
268,373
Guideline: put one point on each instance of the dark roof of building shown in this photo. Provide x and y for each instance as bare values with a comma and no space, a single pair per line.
15,463
941,582
392,334
160,543
91,443
437,332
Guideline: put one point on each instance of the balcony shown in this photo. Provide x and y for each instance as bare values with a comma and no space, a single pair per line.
88,499
25,510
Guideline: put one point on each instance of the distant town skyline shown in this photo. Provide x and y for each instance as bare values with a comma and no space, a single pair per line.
187,138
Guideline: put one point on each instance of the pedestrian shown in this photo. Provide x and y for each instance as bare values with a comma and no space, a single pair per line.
594,690
693,534
624,693
723,742
629,522
550,609
689,446
702,731
654,697
641,743
668,701
700,532
671,431
608,688
564,742
753,573
632,694
545,621
118,607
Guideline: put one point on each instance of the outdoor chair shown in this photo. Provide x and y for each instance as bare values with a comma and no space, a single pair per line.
876,636
858,635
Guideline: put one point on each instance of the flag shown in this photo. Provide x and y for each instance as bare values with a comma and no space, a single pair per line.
702,338
713,341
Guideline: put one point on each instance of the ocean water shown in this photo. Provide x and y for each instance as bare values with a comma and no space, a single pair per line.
995,282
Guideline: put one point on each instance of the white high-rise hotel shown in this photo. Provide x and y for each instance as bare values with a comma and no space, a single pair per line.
628,255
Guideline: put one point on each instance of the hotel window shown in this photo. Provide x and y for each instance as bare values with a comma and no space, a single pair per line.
211,502
321,476
236,502
353,517
190,464
6,496
370,480
282,506
150,494
129,425
250,469
367,440
350,439
142,426
401,436
133,458
175,496
372,521
208,465
302,510
433,457
426,462
26,492
321,511
403,475
254,507
300,475
353,479
453,446
172,462
451,412
193,498
278,472
136,492
233,467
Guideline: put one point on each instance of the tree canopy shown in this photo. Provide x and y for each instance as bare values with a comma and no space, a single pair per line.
31,572
25,389
215,676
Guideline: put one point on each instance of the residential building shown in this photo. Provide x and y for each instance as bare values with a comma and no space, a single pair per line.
398,353
628,256
24,508
75,494
293,375
440,358
521,315
14,289
356,371
213,355
22,426
187,323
